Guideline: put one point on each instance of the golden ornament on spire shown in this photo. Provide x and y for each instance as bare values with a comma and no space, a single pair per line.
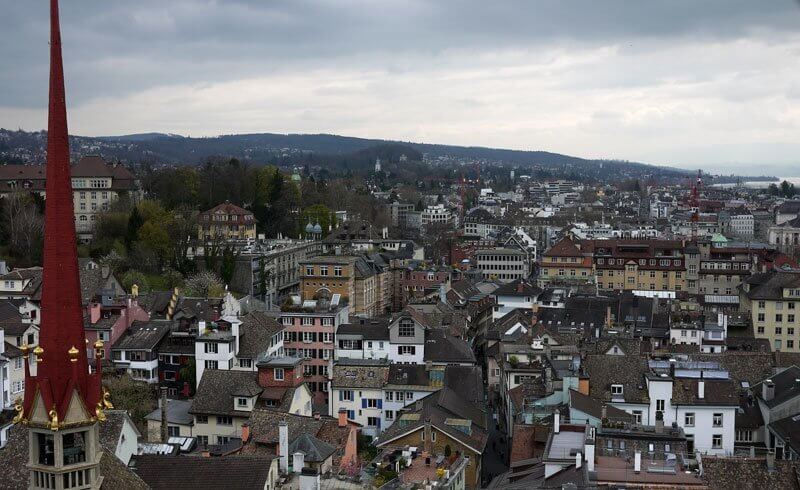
38,351
25,350
107,400
73,354
99,412
20,416
54,425
98,345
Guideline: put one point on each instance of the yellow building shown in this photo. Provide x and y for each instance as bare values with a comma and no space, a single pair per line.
638,265
226,221
566,261
772,300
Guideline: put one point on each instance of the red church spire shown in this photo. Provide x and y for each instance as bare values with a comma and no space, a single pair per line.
62,364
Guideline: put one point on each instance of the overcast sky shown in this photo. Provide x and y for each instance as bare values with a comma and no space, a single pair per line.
712,83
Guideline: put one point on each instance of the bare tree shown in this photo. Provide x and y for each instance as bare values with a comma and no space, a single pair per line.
24,228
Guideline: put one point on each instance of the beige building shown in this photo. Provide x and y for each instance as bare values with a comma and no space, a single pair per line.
772,300
226,221
95,186
364,284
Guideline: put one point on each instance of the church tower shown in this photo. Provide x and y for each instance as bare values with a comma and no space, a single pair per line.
63,403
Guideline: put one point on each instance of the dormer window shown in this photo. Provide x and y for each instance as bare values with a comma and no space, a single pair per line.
406,328
616,390
241,402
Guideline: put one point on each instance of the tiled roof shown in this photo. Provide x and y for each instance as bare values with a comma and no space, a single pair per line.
177,412
593,407
442,347
564,248
746,473
786,386
193,473
143,335
217,389
770,285
349,374
314,450
255,333
369,330
685,391
629,371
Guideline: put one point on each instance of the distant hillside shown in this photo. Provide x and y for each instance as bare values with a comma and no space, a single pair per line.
316,149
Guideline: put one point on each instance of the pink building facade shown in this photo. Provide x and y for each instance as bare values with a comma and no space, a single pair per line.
309,334
107,321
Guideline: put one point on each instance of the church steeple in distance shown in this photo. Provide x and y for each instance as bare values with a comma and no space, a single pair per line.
63,402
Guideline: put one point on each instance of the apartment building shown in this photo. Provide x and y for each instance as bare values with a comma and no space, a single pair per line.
503,264
436,214
772,299
638,265
226,221
356,386
96,184
365,285
309,331
566,262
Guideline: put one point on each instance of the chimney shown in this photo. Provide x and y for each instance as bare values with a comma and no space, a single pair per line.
342,417
603,412
637,462
245,432
588,448
701,389
298,462
659,424
164,421
519,286
578,460
608,316
316,416
767,390
283,446
672,368
556,423
771,460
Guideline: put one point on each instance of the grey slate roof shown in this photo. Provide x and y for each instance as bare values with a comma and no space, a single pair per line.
192,473
314,450
177,412
369,330
786,387
255,333
349,374
442,347
143,335
215,393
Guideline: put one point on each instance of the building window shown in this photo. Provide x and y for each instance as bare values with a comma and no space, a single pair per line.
241,402
309,270
246,363
688,420
346,395
660,404
202,440
616,390
637,416
389,415
744,435
406,328
778,317
278,374
762,305
716,441
211,364
717,420
761,317
406,350
211,348
224,420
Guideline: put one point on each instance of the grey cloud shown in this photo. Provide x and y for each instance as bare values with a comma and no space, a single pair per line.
116,47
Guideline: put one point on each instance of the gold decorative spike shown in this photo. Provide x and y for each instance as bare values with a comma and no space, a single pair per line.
99,412
98,348
73,354
20,416
25,350
107,400
54,425
38,351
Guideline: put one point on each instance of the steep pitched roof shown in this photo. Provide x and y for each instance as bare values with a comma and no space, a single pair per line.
217,389
192,473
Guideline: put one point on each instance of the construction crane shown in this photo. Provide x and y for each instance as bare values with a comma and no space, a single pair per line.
694,202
